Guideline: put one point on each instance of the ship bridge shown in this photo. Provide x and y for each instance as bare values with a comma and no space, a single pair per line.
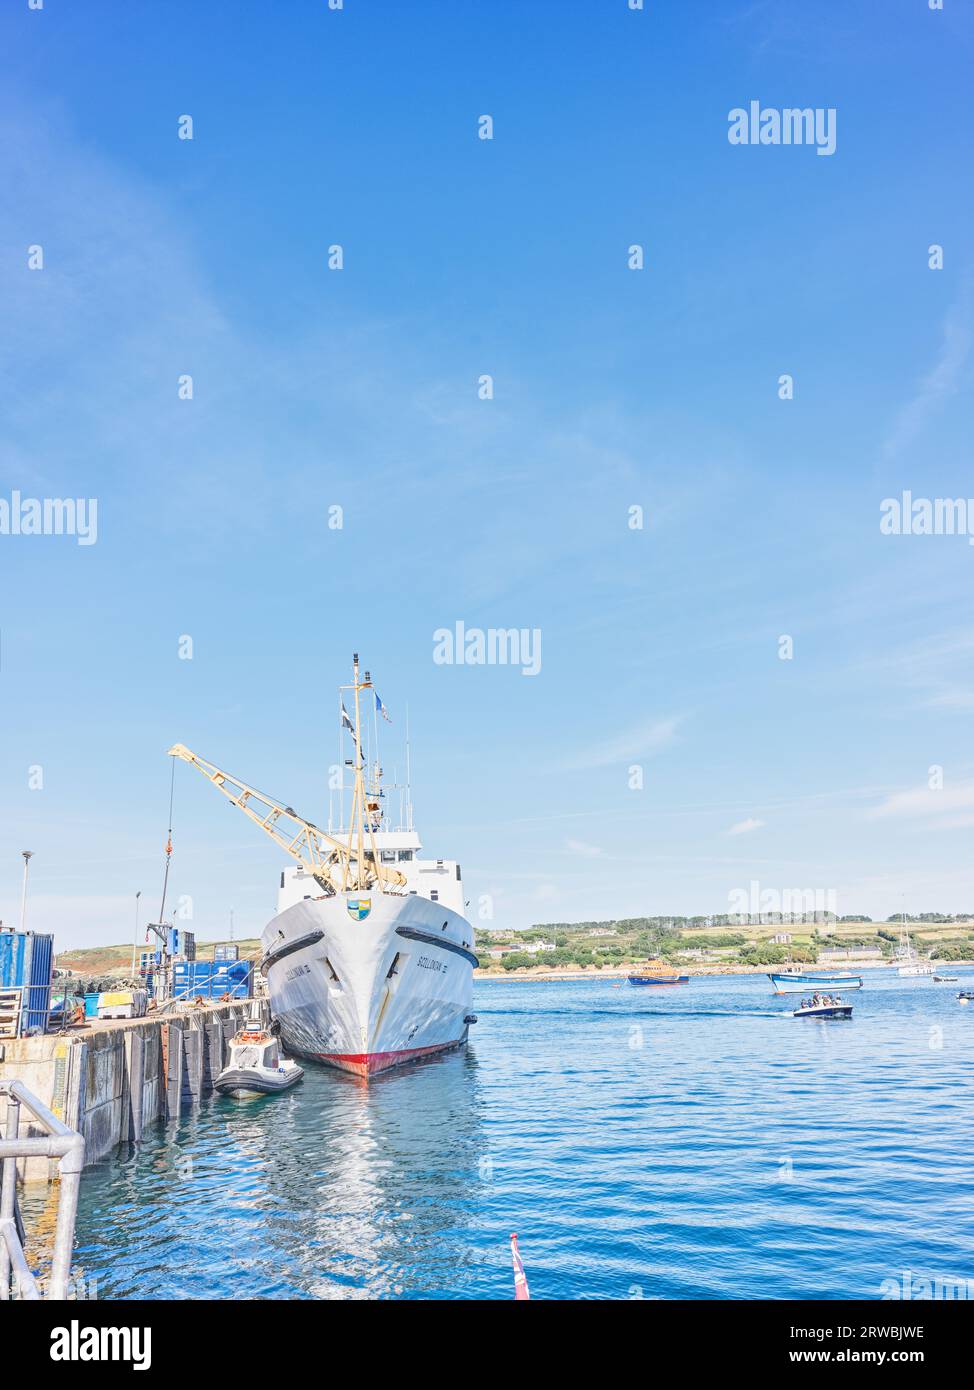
439,880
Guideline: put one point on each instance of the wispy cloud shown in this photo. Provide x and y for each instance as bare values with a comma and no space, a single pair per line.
940,668
954,697
583,850
923,801
744,827
640,741
939,383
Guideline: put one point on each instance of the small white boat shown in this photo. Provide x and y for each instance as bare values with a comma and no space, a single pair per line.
945,979
966,996
256,1066
795,979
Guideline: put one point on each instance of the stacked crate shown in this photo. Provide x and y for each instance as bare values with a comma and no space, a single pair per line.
26,973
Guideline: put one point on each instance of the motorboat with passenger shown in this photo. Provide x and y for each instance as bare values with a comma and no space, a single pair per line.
823,1006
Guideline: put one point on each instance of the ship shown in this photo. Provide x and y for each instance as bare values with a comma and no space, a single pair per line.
369,960
655,972
795,980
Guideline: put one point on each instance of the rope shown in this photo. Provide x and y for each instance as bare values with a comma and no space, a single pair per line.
165,881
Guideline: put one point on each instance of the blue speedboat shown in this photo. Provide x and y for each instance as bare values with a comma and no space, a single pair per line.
800,981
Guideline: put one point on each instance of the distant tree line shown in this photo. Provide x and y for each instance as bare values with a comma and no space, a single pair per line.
625,926
931,917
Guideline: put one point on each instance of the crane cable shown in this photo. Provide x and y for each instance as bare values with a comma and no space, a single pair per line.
165,881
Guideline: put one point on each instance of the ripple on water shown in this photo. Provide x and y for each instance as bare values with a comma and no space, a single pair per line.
705,1145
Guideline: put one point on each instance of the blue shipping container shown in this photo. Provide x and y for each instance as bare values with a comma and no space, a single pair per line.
212,979
181,944
27,964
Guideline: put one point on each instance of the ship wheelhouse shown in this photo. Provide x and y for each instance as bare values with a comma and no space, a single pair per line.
438,880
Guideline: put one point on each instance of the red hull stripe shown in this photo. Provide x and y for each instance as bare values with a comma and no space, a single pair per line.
367,1063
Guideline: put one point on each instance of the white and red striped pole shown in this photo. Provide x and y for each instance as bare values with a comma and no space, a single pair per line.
521,1289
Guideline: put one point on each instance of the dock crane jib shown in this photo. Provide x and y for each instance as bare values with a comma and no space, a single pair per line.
318,852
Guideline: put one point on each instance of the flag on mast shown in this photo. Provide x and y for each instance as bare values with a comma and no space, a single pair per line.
520,1278
346,722
381,707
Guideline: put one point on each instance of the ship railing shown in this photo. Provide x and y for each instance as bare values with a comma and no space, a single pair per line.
60,1142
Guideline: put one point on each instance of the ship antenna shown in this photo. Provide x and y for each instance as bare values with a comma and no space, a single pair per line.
339,764
358,807
409,789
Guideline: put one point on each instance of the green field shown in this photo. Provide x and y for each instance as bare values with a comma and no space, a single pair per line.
690,941
117,960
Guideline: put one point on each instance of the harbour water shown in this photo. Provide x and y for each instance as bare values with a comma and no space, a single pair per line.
691,1142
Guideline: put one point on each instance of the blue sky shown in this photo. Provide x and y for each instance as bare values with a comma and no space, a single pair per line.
613,388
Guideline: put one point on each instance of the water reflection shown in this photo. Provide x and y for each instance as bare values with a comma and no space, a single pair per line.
337,1189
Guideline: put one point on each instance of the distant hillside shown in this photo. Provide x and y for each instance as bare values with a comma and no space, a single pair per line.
117,960
717,940
680,939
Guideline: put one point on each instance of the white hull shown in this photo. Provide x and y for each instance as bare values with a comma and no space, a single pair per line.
807,981
916,970
330,985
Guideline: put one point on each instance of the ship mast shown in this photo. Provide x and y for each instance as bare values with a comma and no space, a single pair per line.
361,818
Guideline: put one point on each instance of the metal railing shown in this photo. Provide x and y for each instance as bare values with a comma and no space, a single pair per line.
16,1279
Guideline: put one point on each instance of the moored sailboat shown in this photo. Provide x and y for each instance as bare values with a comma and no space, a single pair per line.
909,959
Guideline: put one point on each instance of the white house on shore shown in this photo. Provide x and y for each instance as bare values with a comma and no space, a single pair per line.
530,948
837,953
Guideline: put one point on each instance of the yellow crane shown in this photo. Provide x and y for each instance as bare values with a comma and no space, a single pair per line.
317,851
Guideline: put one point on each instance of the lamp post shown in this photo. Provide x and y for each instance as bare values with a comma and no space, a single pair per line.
135,939
28,855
